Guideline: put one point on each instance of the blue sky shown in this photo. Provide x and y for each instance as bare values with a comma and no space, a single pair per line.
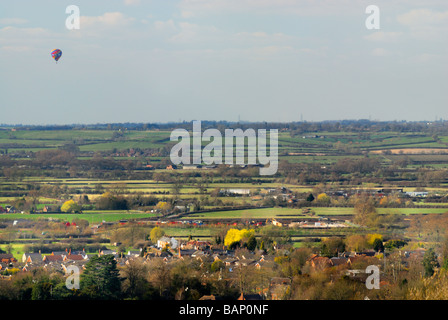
257,60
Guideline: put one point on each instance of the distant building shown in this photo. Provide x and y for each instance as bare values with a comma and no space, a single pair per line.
7,258
417,194
235,191
166,241
190,167
32,258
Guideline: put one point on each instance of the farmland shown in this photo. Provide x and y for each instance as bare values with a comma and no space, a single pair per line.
113,187
413,154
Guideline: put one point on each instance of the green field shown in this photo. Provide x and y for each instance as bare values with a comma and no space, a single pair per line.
108,140
263,213
91,216
270,213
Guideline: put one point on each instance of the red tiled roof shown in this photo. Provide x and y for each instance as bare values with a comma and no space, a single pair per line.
75,257
51,258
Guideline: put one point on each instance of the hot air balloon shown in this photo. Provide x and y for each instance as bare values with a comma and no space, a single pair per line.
56,54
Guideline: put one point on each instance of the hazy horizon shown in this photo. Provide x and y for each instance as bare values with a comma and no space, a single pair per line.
137,61
213,121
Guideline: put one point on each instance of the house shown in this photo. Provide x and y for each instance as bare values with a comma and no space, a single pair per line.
83,252
106,251
53,267
244,262
185,252
199,253
268,190
75,257
205,259
230,261
417,194
266,264
229,192
52,258
135,253
166,241
357,274
7,258
361,260
32,258
163,242
346,254
181,208
338,261
196,244
319,263
79,264
60,253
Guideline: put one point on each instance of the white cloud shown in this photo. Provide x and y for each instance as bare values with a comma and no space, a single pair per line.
380,52
263,36
382,36
190,32
131,2
425,58
14,34
25,40
109,19
13,21
190,8
423,17
426,24
168,25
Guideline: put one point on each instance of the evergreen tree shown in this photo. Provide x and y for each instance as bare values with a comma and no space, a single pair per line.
378,245
430,262
100,279
310,198
252,243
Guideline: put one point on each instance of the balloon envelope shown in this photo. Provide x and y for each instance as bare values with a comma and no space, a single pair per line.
56,54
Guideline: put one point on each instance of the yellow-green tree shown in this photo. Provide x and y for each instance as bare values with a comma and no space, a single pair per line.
323,198
163,206
235,235
372,237
156,233
70,206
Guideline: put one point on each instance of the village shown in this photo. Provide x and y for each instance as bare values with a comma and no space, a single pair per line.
265,271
